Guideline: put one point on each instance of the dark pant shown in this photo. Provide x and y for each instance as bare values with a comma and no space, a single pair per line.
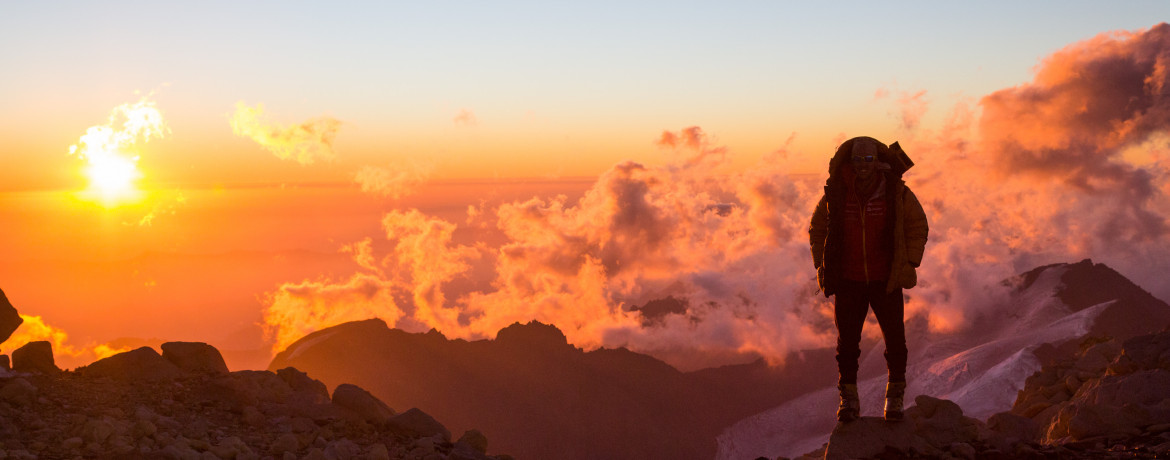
854,298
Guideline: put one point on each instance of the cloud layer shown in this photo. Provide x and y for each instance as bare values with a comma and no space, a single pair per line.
1070,165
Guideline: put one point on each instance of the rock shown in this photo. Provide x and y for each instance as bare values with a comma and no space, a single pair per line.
231,447
342,449
474,439
194,357
5,364
304,387
962,450
870,436
941,422
9,318
418,423
97,430
35,357
362,403
141,364
378,451
1011,425
287,442
18,392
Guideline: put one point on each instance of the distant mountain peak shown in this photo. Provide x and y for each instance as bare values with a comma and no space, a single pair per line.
534,333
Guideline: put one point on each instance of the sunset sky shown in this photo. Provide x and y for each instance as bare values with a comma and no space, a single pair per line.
463,165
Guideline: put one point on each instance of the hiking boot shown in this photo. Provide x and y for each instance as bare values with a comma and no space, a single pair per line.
850,408
895,392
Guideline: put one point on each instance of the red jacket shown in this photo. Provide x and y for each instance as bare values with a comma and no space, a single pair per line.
867,253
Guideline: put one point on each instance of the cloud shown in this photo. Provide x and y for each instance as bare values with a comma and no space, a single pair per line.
1088,103
35,328
296,309
465,117
394,181
734,245
307,142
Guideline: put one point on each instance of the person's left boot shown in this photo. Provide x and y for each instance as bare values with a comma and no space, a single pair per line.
895,393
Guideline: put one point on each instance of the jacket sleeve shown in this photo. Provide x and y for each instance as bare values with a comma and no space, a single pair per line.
915,227
818,230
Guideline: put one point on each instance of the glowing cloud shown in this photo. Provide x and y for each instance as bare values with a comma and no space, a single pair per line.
306,143
109,151
1052,183
393,181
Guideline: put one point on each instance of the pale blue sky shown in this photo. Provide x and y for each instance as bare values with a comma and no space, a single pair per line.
597,75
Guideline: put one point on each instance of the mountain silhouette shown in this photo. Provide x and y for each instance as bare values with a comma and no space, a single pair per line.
536,396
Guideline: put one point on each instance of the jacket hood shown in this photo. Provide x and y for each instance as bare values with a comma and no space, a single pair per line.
892,155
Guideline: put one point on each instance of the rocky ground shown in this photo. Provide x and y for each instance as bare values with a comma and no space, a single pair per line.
184,404
1109,400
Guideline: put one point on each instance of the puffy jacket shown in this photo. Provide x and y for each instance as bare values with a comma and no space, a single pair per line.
906,226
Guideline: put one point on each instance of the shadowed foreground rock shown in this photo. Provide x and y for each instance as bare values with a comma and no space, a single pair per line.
35,357
9,318
1110,400
139,404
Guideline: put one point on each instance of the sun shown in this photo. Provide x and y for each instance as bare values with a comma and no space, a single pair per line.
111,167
112,178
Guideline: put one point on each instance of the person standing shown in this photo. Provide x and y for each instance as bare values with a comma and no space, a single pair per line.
867,234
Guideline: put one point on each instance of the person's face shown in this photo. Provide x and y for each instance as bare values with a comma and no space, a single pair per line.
864,160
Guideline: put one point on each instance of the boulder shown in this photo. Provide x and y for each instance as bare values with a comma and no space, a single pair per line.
474,439
135,365
35,357
18,392
869,437
303,386
195,357
931,428
415,422
245,389
360,402
1010,425
9,318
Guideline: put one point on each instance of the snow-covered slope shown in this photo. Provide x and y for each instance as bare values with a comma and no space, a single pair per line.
981,368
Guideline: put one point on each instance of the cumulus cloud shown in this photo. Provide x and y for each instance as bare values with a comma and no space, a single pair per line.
306,143
734,244
393,181
1088,103
35,328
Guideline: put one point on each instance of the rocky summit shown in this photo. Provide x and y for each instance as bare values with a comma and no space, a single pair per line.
184,404
1109,400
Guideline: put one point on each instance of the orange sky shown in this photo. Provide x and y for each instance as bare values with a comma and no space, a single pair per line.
291,191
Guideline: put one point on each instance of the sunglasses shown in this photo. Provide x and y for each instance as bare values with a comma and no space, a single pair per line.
865,159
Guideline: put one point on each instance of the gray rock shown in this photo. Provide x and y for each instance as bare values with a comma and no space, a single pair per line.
9,318
139,364
35,357
342,449
195,357
18,392
417,423
362,403
474,439
869,436
308,388
287,442
1011,425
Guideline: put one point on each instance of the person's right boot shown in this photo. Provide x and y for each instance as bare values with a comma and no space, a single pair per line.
895,392
850,408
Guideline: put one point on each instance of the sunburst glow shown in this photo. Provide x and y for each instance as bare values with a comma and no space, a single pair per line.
109,151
